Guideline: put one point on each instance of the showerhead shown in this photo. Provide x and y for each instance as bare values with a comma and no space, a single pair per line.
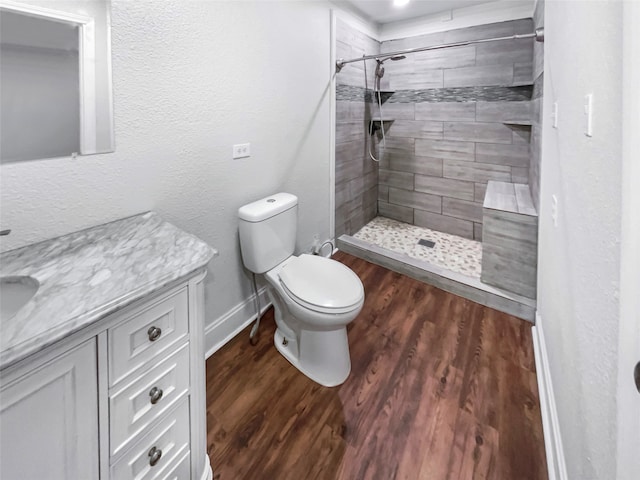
395,58
380,68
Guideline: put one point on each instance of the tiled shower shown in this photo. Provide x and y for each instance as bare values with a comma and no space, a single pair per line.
454,119
356,184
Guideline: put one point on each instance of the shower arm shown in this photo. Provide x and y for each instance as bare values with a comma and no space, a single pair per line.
538,35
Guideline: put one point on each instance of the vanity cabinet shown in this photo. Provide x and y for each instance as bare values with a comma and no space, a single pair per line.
49,419
121,399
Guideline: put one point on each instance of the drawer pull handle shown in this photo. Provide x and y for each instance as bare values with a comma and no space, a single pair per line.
154,333
154,456
156,394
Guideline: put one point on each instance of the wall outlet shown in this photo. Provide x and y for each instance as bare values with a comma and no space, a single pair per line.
554,210
242,150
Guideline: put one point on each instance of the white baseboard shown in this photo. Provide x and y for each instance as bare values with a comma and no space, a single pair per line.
224,328
556,466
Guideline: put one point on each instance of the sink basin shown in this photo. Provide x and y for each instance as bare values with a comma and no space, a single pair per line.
15,293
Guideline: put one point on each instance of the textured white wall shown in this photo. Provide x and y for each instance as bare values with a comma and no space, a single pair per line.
191,79
579,260
628,400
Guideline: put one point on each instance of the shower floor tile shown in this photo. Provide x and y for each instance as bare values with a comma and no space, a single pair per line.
454,253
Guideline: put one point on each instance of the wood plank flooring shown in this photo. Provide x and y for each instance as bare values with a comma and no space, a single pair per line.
440,388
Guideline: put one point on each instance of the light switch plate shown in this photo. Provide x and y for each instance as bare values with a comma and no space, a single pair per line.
554,210
588,115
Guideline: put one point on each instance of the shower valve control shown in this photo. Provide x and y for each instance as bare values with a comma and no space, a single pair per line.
242,150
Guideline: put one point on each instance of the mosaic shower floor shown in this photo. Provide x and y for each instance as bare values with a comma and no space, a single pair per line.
454,253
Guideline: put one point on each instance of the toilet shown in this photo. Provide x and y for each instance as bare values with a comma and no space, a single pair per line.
314,297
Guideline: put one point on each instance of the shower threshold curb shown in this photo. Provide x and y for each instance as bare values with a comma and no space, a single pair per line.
467,287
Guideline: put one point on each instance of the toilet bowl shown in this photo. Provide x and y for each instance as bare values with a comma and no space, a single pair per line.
315,298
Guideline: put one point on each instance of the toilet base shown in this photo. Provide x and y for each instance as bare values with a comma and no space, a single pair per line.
324,355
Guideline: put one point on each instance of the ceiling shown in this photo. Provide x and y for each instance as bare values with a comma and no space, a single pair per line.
383,11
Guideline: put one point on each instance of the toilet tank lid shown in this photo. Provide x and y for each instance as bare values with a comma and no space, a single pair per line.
267,207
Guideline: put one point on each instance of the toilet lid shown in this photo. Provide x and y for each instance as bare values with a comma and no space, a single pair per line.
321,282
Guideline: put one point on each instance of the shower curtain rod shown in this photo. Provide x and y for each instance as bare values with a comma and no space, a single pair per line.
538,35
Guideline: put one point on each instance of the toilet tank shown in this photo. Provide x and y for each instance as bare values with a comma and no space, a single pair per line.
268,230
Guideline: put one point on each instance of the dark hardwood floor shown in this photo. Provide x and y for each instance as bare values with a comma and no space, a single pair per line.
440,388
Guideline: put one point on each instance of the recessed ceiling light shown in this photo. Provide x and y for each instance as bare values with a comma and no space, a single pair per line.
400,3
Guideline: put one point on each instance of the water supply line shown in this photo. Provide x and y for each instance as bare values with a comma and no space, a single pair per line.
253,334
318,250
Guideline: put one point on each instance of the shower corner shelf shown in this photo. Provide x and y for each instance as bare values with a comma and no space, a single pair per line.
523,123
384,95
376,123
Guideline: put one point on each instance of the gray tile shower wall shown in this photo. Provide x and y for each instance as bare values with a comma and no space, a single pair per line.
490,64
533,175
356,182
462,117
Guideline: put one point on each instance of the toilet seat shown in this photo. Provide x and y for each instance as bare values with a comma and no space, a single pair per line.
321,284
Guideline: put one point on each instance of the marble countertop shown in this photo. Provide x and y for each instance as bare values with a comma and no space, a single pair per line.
86,275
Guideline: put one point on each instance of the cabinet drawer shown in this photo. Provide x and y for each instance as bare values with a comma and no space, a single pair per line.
137,404
147,334
181,470
166,443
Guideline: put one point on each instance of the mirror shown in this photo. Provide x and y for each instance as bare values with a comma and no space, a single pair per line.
55,71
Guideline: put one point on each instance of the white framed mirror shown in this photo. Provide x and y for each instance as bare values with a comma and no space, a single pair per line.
55,71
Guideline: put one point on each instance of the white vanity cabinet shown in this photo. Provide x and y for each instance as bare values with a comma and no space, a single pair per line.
122,399
49,419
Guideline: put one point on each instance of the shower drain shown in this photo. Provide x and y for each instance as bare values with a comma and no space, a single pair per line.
426,243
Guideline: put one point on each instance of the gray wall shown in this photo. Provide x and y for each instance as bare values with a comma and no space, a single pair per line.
536,108
356,174
449,137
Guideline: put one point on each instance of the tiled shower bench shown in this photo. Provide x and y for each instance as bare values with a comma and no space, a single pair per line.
510,238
